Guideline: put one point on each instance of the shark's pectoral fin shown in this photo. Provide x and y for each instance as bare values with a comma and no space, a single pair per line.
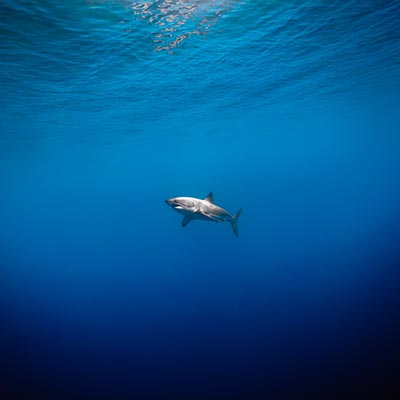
186,220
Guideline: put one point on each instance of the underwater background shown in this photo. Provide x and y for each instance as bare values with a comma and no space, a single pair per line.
289,109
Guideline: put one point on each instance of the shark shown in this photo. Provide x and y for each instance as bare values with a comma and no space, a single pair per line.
203,209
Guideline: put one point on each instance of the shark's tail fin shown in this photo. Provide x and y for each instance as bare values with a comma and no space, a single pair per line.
234,222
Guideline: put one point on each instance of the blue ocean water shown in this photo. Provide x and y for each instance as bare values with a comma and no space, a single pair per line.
288,109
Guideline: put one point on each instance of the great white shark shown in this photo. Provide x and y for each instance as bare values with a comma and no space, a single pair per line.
203,209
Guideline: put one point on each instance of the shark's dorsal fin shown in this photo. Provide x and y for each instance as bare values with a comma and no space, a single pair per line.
186,220
209,198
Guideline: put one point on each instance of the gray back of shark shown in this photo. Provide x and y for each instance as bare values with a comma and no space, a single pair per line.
203,209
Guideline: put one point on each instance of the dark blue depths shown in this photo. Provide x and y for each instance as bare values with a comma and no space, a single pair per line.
287,109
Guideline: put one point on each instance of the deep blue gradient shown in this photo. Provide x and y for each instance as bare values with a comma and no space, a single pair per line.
288,109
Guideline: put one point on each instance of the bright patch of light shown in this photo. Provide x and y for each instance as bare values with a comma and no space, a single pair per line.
171,22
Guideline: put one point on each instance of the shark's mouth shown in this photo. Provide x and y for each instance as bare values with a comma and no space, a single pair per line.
174,205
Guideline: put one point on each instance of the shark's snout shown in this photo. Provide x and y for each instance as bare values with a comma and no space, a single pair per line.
170,202
174,203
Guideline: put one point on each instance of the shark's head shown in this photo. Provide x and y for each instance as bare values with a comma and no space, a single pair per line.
174,203
180,203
